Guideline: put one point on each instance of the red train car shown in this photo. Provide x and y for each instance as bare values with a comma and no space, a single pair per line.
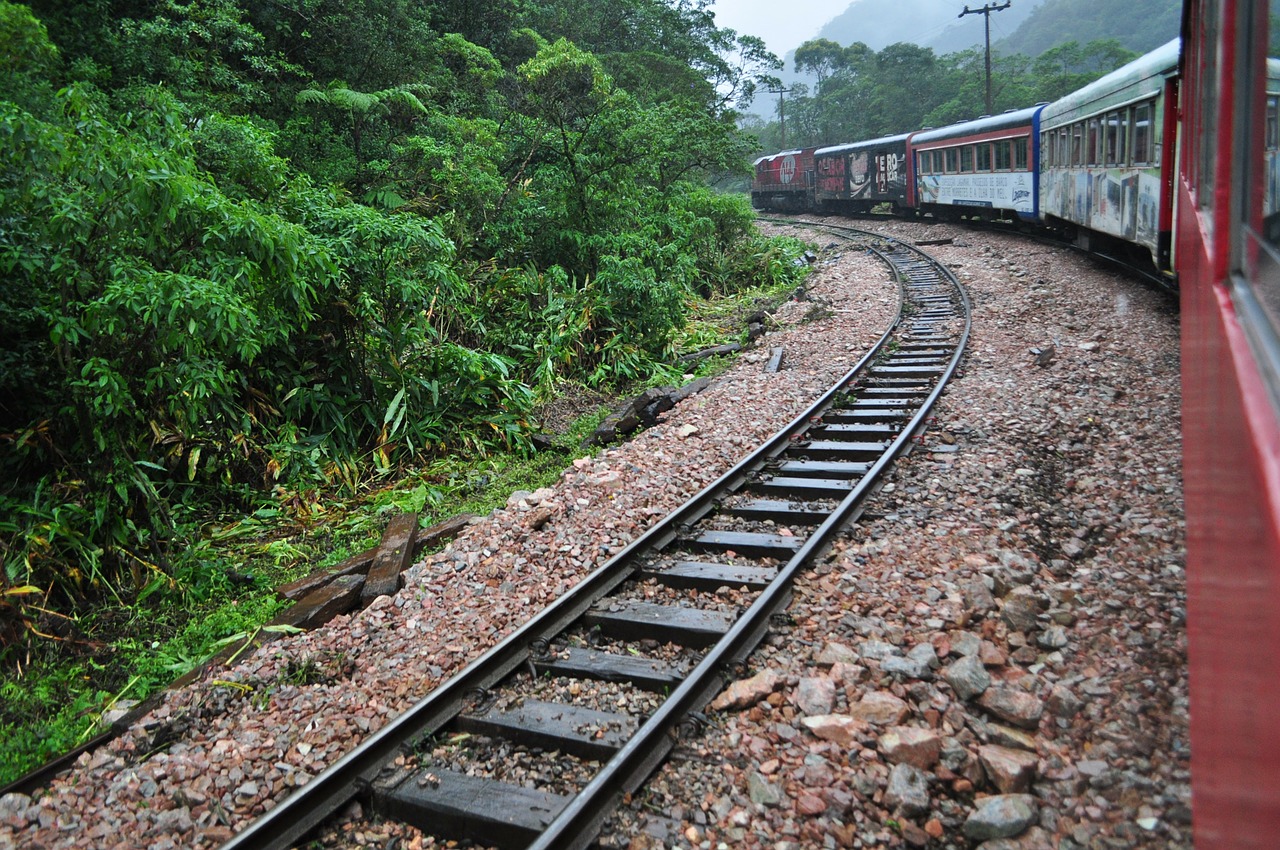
784,181
1228,257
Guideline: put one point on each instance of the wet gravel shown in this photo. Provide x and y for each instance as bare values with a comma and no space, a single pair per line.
996,654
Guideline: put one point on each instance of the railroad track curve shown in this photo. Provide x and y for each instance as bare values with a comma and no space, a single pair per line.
652,623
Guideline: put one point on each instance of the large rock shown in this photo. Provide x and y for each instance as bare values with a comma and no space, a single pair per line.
880,708
1034,838
839,728
908,791
1063,702
1010,770
1003,816
903,668
910,745
968,677
977,596
815,695
762,791
1013,706
836,653
1022,609
745,693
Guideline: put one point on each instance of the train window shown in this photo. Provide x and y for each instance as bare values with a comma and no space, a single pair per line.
1091,143
1111,126
1273,131
953,160
1202,110
1257,214
1077,144
966,159
1064,147
983,157
924,162
1004,156
1142,137
1122,138
1020,154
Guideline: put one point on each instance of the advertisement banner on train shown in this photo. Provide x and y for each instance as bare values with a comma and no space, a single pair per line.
1006,190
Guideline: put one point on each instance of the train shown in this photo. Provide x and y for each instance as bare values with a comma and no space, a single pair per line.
1097,166
1173,157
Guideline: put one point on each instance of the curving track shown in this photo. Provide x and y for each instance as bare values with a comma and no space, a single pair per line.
666,620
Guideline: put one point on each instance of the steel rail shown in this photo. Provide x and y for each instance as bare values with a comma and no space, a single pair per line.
353,774
577,824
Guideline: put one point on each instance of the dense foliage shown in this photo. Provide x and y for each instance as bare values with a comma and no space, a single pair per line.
255,249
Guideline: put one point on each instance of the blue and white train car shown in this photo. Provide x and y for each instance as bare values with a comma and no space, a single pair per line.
980,169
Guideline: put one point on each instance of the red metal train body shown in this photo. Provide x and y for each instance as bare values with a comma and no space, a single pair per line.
783,181
1189,136
1229,275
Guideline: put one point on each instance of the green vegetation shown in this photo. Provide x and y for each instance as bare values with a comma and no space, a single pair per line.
264,261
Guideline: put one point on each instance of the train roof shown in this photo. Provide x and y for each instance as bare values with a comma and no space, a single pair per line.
979,126
1141,78
883,140
773,156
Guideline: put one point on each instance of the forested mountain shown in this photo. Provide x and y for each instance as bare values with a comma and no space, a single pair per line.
1029,27
853,82
928,23
1139,25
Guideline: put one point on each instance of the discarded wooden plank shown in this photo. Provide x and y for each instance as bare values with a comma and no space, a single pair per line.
713,351
395,555
691,388
323,604
775,360
318,579
433,535
430,536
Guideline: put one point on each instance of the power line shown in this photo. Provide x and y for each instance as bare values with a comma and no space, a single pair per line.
782,111
986,11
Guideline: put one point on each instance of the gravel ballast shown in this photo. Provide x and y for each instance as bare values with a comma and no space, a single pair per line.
996,655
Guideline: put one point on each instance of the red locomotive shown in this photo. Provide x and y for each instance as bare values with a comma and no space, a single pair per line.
784,181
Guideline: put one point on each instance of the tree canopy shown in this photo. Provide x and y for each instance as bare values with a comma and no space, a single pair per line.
259,247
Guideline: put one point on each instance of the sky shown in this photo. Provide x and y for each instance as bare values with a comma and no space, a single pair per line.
783,26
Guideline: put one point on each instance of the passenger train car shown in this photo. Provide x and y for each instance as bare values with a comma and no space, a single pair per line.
1103,168
1175,155
1228,262
858,177
981,169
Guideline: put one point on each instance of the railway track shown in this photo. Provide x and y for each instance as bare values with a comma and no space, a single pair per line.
600,686
1136,264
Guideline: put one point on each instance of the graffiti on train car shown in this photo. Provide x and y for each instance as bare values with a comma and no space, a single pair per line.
1119,202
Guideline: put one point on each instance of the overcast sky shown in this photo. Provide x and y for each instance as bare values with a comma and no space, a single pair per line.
783,24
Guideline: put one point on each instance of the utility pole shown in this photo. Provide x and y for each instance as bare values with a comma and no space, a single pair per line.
986,11
782,112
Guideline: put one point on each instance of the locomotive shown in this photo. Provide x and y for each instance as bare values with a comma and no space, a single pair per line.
1175,157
